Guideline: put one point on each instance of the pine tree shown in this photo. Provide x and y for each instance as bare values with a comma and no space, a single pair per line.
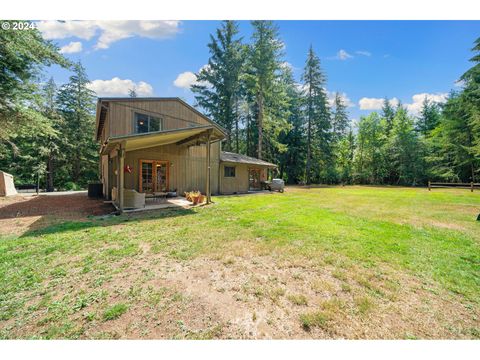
132,92
317,117
429,117
339,118
293,159
262,79
388,113
53,141
77,106
218,85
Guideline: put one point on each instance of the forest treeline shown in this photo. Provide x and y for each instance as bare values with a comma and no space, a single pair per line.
249,89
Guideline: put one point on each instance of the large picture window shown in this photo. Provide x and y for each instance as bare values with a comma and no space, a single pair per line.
145,123
229,171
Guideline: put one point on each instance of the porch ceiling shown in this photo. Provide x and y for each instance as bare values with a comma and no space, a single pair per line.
182,136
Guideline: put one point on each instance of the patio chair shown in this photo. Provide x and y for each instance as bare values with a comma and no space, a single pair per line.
133,199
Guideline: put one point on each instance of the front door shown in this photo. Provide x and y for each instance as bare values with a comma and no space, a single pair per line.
254,179
153,176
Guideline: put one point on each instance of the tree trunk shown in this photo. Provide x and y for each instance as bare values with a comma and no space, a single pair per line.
260,125
49,173
236,126
248,130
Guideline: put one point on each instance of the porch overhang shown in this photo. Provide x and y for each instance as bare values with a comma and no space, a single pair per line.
183,137
233,158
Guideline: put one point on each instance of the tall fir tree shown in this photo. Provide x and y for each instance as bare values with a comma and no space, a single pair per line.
317,115
77,106
292,160
388,113
429,117
262,80
218,87
339,118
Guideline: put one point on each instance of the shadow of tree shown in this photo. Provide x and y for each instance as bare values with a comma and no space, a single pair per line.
47,214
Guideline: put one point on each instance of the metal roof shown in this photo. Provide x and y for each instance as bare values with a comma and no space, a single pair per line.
243,159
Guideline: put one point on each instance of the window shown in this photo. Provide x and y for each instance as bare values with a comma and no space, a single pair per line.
146,123
229,171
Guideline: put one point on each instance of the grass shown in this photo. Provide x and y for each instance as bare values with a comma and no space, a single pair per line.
115,311
68,271
314,319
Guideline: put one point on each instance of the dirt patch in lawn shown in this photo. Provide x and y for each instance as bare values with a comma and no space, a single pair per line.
19,214
246,297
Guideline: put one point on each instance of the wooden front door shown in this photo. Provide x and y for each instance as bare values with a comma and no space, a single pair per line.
153,176
254,179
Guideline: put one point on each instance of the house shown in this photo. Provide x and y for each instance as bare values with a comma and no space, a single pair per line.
164,144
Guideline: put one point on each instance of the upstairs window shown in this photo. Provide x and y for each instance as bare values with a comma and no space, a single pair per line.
229,171
146,123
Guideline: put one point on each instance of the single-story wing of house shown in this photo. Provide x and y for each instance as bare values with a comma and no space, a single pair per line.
158,145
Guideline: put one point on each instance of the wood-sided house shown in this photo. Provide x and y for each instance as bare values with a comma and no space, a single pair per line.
164,144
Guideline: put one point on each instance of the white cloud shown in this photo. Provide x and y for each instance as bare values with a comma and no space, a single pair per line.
109,31
72,47
185,80
417,101
374,103
343,55
346,100
413,108
363,53
120,87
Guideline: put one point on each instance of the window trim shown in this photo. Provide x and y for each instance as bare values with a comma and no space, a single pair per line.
229,167
135,127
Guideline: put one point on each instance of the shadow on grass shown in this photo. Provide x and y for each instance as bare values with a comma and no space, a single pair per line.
108,220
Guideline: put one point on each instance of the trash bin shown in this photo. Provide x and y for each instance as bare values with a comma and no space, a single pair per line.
95,190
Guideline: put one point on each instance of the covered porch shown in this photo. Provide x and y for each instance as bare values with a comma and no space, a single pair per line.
125,165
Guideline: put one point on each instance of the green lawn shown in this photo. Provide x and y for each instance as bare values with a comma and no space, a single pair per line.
354,262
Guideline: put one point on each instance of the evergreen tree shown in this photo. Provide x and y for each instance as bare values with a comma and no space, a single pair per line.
317,119
23,54
345,151
454,151
218,84
77,106
388,113
293,159
429,117
132,92
262,80
339,118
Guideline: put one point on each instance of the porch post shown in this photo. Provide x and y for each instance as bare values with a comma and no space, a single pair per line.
121,157
208,190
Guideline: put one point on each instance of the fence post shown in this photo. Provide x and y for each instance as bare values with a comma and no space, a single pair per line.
471,186
429,188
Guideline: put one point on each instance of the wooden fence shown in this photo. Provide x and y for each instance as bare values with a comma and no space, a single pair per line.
470,185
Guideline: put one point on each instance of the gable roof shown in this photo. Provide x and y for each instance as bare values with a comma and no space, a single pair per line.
226,156
102,110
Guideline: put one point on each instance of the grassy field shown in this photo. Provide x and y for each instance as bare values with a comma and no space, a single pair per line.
339,262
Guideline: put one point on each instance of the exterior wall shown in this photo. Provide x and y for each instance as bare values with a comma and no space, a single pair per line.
187,166
240,183
175,115
237,184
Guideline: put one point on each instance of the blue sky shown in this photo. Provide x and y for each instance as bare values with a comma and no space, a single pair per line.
364,60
